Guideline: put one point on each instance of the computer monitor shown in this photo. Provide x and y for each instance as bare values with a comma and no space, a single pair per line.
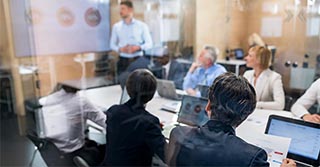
238,53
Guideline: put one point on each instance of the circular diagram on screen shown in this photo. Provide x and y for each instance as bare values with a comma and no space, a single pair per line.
92,17
65,17
197,108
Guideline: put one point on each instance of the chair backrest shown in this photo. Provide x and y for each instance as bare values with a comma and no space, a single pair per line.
49,152
288,103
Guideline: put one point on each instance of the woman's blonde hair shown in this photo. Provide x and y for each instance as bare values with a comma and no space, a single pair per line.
263,54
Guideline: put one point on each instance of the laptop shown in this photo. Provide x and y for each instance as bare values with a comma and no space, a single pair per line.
305,138
167,89
192,111
204,90
124,96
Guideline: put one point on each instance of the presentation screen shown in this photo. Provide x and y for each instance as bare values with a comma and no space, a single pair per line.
46,27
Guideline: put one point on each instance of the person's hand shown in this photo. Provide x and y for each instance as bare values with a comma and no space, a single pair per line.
194,66
191,92
133,49
315,118
125,49
161,125
288,163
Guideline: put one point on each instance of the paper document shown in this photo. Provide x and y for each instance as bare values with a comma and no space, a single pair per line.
275,146
172,106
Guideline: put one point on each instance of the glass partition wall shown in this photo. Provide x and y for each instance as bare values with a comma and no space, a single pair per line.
68,41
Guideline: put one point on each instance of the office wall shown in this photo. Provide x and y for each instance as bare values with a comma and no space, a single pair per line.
221,25
293,42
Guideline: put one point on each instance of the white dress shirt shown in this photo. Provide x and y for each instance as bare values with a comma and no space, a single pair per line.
309,98
64,119
134,33
269,89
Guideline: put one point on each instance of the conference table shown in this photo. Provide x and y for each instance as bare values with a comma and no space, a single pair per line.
105,97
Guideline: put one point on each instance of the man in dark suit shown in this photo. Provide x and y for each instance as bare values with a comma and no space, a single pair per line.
174,71
158,61
231,100
133,134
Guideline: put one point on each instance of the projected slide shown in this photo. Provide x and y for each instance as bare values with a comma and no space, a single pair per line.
44,27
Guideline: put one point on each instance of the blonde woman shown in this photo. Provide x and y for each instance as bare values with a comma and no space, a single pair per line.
267,83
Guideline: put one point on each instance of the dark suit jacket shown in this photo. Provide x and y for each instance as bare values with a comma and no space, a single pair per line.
214,144
133,136
140,63
176,73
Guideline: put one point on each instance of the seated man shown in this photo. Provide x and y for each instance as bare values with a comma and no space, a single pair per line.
160,61
310,97
65,114
231,100
133,134
203,72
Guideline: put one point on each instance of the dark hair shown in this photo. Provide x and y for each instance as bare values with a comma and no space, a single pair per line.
127,3
141,85
232,99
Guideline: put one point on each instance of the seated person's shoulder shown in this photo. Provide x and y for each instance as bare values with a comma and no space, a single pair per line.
181,132
247,148
274,75
219,66
116,109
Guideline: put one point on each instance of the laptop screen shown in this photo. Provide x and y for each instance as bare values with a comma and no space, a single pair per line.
305,137
192,111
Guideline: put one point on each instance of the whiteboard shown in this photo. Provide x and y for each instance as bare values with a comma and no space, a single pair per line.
46,27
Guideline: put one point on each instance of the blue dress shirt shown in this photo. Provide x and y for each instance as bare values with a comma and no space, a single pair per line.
202,76
134,33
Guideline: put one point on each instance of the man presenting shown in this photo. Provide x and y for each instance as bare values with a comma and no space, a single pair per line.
129,37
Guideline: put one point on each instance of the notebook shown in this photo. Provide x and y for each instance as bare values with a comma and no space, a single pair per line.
192,111
167,89
305,138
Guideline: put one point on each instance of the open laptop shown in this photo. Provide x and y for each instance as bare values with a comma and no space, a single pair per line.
167,89
192,111
305,138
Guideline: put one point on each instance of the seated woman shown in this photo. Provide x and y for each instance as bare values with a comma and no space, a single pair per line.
267,83
133,134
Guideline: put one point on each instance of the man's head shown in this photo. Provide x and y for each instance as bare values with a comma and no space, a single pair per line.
126,9
208,56
231,99
141,85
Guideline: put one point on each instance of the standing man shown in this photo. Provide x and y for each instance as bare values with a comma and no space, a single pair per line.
203,72
129,37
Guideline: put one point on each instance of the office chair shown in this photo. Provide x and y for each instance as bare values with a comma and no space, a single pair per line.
49,152
288,103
